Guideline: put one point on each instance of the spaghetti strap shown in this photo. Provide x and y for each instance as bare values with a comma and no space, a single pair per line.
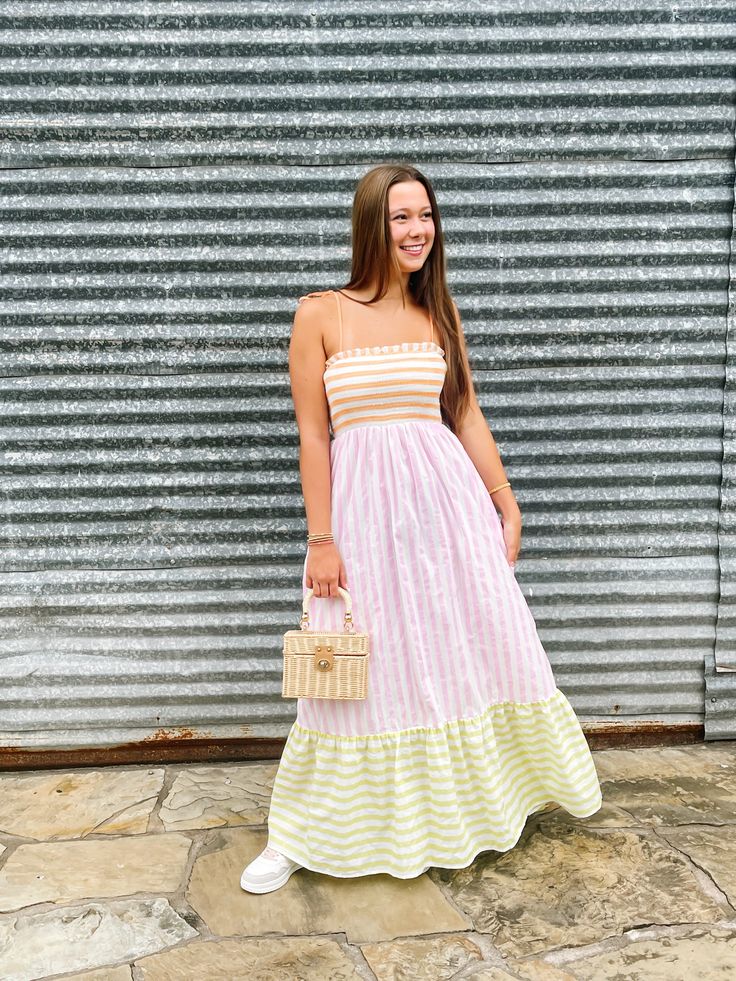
431,328
339,316
337,300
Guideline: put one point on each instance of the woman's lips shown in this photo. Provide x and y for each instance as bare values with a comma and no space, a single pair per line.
413,250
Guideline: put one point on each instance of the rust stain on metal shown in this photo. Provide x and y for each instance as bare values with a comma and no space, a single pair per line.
176,746
638,735
147,752
170,735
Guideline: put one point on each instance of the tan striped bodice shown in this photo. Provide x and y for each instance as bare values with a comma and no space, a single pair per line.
385,384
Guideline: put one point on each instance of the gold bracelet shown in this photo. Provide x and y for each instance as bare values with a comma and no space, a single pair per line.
506,483
324,537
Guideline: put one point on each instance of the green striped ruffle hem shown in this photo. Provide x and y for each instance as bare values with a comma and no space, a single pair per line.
398,802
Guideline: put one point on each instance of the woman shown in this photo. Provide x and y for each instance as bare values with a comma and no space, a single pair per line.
463,733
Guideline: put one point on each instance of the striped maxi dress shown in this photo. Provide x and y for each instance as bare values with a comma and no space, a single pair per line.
463,733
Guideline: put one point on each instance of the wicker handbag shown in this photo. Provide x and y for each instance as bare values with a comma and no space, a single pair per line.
325,663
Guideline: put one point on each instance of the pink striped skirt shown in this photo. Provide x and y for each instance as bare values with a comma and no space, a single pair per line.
463,721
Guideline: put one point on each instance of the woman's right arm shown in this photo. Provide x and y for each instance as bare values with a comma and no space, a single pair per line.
324,568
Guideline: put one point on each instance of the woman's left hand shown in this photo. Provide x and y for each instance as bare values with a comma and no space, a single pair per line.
511,525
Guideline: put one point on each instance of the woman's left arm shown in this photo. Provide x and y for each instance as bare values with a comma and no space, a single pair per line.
477,439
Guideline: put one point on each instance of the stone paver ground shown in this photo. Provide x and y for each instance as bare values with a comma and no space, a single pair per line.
131,873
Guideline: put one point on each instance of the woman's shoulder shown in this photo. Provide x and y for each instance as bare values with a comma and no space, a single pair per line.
308,296
311,316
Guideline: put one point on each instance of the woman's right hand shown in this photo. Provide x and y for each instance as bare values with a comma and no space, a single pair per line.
325,569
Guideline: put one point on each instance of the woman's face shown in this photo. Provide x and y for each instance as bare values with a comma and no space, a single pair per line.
411,222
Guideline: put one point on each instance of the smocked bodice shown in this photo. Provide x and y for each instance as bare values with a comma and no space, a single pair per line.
378,386
385,384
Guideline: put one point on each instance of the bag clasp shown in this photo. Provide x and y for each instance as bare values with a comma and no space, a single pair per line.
324,656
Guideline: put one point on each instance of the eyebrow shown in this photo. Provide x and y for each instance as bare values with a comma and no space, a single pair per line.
427,207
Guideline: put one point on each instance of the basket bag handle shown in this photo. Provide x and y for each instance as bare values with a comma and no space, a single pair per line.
348,617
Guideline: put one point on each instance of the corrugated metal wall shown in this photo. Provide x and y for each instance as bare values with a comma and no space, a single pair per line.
176,175
720,674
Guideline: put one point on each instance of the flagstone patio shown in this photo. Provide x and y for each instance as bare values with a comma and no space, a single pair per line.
131,873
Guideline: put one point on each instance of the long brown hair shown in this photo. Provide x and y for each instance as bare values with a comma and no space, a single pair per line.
373,257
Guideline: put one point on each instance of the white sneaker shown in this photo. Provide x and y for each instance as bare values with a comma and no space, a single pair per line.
269,871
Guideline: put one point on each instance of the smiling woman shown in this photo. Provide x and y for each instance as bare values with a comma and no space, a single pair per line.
463,732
